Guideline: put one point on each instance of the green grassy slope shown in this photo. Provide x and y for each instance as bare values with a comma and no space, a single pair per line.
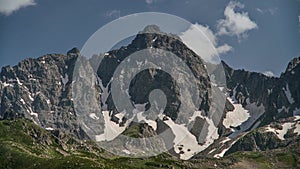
24,145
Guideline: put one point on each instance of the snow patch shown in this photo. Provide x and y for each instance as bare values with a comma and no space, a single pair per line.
19,83
237,116
22,101
153,40
30,97
288,94
7,84
225,140
141,118
49,128
297,128
280,133
222,153
111,130
65,79
255,112
48,101
126,151
211,151
94,116
297,117
186,142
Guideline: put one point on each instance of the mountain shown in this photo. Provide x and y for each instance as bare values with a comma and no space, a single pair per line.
260,113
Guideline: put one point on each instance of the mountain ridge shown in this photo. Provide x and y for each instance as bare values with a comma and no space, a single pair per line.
40,90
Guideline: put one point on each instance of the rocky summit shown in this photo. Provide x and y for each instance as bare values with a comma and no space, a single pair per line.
260,114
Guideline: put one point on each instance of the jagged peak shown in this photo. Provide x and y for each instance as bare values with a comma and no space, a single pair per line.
292,64
74,50
151,29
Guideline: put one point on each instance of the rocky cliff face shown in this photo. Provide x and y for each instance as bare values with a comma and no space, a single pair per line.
269,105
41,90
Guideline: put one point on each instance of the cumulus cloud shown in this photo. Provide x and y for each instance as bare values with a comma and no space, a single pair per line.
269,73
203,42
235,23
7,7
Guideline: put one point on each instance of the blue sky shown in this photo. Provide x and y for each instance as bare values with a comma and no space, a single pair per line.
266,37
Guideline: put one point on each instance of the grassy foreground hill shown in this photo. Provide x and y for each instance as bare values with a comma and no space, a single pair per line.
25,145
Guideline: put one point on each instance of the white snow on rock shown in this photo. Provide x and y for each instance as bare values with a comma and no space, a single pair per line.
7,84
225,140
196,114
187,142
126,151
94,116
255,112
49,128
297,128
142,118
22,101
280,132
222,153
65,79
19,83
297,117
242,117
30,97
48,101
237,116
111,130
211,151
120,115
183,137
29,110
153,40
139,112
288,94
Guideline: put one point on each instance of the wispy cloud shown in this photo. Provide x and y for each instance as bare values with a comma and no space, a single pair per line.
235,23
299,22
7,7
203,41
271,11
113,13
149,1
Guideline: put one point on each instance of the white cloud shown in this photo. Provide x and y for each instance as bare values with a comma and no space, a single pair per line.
113,13
235,23
7,7
203,42
271,11
269,73
149,1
